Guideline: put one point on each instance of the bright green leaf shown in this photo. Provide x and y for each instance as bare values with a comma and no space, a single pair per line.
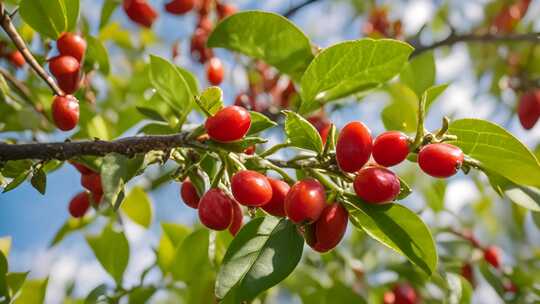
419,73
47,17
212,100
400,113
138,207
15,281
301,133
72,13
191,257
106,11
32,292
111,248
97,55
259,123
173,235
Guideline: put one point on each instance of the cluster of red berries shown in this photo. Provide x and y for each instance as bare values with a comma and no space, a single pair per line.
378,25
401,293
91,181
66,68
508,17
529,109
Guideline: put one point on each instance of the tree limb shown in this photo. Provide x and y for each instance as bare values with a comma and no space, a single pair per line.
298,7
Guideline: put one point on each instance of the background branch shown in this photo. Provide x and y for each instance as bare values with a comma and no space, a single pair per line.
297,7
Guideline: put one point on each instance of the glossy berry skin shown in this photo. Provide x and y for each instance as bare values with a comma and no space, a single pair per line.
189,194
216,209
305,201
353,147
179,7
71,45
390,148
405,294
322,124
376,185
78,206
492,255
529,109
16,58
65,112
237,218
228,124
214,71
92,182
251,188
276,205
140,11
440,160
66,70
328,230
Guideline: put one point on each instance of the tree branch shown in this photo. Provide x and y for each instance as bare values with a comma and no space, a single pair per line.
453,39
11,31
298,7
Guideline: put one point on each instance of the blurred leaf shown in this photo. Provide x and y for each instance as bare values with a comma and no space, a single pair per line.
432,93
434,194
156,128
15,281
400,113
97,55
212,99
525,196
15,168
492,278
536,218
138,207
141,294
191,257
5,245
70,226
116,171
265,252
339,293
460,290
151,113
96,295
301,133
47,17
266,36
173,235
72,14
111,248
106,11
32,292
419,73
259,123
16,181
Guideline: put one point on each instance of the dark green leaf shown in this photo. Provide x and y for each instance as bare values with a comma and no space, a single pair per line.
72,13
301,133
141,295
97,55
39,180
111,248
151,113
47,17
97,294
116,171
15,281
157,129
259,123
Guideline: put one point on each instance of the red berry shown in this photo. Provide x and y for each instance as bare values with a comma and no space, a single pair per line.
389,298
322,124
139,11
250,150
71,45
529,109
96,197
467,272
328,230
214,71
225,10
198,47
376,185
179,7
216,209
189,194
205,6
404,294
92,182
237,218
79,205
353,147
390,148
305,201
65,112
229,124
66,70
251,188
276,204
440,160
510,287
81,168
205,23
17,59
492,255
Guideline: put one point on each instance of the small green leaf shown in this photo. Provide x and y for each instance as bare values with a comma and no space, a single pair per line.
151,113
241,145
212,100
97,294
116,171
70,226
259,123
266,36
173,235
191,257
141,294
47,17
157,128
419,73
431,94
32,292
39,180
138,207
106,12
72,14
17,181
190,79
351,67
404,190
301,133
400,113
97,55
111,248
265,252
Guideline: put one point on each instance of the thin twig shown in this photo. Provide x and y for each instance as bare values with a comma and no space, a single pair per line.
298,7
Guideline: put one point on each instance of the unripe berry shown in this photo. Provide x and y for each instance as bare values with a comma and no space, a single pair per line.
492,255
353,147
214,71
216,209
189,194
440,160
237,218
529,109
376,185
71,45
251,188
328,230
405,294
179,7
276,205
92,182
66,70
225,10
305,201
139,11
390,148
65,112
79,205
16,58
228,124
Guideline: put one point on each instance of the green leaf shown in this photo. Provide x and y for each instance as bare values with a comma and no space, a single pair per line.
15,281
460,290
434,194
17,181
212,100
171,85
173,235
239,146
5,245
32,292
492,277
259,123
265,252
302,133
111,248
190,79
400,113
97,294
97,55
116,171
191,257
432,93
419,73
47,17
351,67
106,12
525,196
138,207
266,36
141,294
72,13
497,150
398,228
39,180
339,293
70,226
404,190
151,113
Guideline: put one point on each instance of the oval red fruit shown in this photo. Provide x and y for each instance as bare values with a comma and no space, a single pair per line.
229,124
376,185
529,109
305,201
92,182
179,7
139,11
276,205
492,255
353,147
72,45
237,218
251,188
440,160
81,168
78,206
17,59
329,229
225,10
405,294
66,70
390,148
189,194
65,112
214,71
216,209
